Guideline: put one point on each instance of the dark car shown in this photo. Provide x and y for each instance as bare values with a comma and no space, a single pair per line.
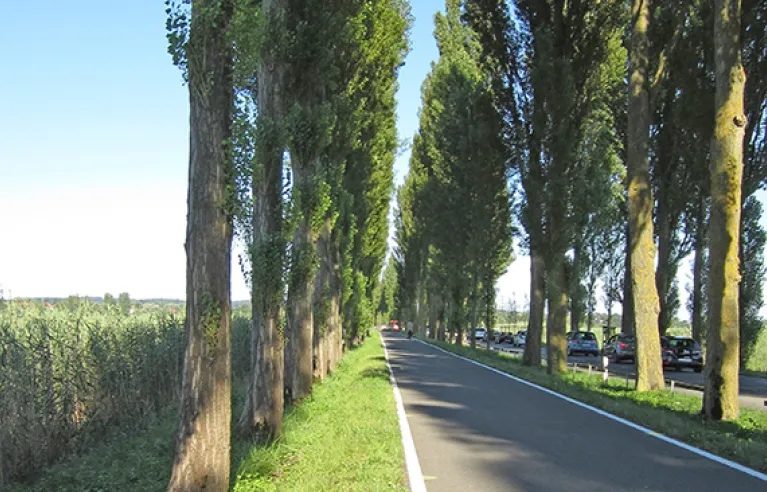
505,338
681,352
620,347
582,342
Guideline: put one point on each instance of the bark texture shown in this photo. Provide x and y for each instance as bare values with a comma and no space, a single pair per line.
627,316
698,331
299,349
202,454
556,325
640,201
720,398
532,354
263,410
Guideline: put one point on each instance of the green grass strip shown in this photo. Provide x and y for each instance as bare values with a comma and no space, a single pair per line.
675,415
345,436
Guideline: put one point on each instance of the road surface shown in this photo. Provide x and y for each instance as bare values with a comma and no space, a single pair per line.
475,430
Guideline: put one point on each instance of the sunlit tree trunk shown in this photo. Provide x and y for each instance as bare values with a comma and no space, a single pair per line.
720,398
556,324
202,454
641,246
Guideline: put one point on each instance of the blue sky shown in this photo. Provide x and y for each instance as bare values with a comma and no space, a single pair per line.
94,149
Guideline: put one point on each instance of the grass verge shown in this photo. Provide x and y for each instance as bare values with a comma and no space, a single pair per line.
675,415
345,436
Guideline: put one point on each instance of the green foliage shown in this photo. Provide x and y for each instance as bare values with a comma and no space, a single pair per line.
72,378
753,240
123,300
454,207
210,320
68,376
321,448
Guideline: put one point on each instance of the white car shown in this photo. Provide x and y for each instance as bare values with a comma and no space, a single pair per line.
479,334
520,339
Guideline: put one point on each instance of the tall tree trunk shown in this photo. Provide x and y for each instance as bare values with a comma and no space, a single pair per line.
640,201
473,319
697,274
556,325
627,315
336,326
264,404
457,316
662,271
434,313
422,314
576,298
299,349
609,326
720,397
320,301
532,354
202,454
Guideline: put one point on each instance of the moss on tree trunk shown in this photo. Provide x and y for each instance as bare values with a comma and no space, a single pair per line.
720,399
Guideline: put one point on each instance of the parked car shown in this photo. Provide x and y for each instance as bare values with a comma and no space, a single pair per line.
493,336
521,339
480,333
681,352
505,338
620,347
582,342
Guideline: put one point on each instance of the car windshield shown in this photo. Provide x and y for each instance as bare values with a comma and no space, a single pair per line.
683,343
585,336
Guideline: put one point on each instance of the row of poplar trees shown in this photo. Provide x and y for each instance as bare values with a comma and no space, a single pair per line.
292,146
622,137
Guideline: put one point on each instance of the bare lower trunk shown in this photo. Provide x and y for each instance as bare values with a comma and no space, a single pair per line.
423,311
576,298
441,335
640,202
321,303
264,403
556,325
720,397
627,316
609,326
473,318
202,453
299,349
532,355
456,317
697,279
663,270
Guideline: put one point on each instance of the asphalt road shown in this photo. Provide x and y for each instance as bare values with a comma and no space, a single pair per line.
475,430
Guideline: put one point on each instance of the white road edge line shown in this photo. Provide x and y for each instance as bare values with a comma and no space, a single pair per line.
414,474
700,452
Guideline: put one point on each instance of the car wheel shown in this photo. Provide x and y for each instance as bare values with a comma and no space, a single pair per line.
698,369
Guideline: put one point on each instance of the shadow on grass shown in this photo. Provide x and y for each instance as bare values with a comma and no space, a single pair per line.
376,372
